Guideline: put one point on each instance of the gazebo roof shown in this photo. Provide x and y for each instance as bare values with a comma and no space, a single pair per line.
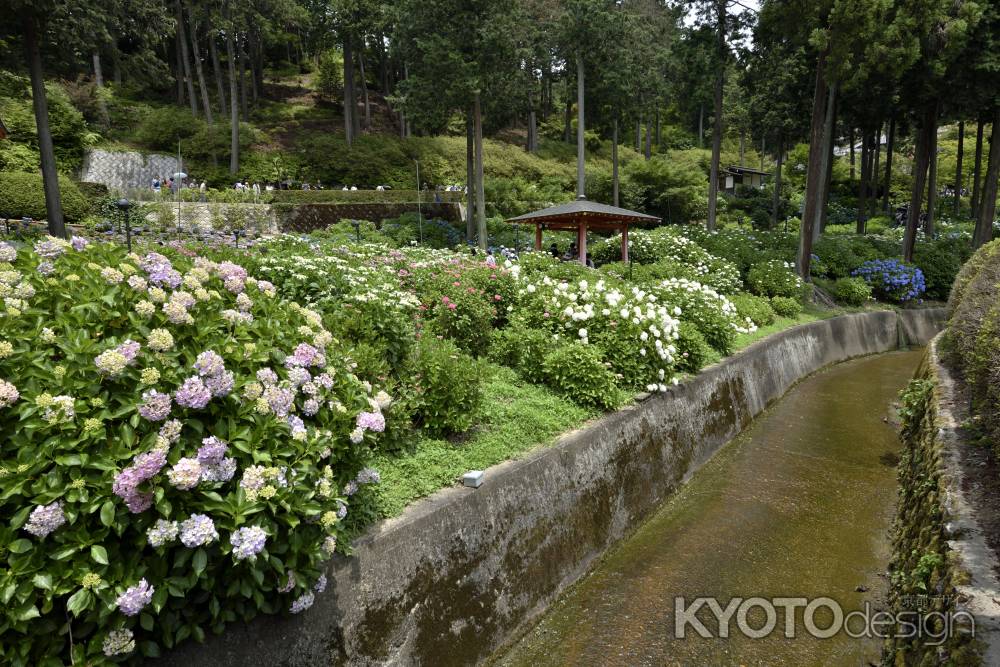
593,213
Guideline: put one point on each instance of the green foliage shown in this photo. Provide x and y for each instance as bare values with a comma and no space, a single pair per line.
330,78
22,195
940,261
786,306
775,278
446,387
70,134
757,308
522,349
852,291
578,371
692,349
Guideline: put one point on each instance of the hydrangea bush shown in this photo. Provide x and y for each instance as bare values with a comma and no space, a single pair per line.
179,449
775,278
893,280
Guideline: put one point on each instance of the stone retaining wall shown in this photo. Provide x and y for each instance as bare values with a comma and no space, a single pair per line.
942,563
462,573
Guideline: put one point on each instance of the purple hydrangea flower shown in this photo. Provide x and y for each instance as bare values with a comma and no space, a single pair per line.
51,247
350,488
135,598
220,472
160,271
305,355
209,363
298,376
8,394
185,474
8,253
193,394
289,583
212,451
156,405
303,602
369,476
371,421
267,376
78,243
320,584
324,380
45,518
280,400
129,349
46,268
197,531
248,542
126,484
233,276
310,407
220,385
296,424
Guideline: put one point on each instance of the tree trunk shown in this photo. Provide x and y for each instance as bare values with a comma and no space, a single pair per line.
182,40
364,91
234,115
350,103
977,167
919,182
244,105
383,69
180,69
657,128
614,162
958,168
874,171
102,106
850,138
988,205
252,48
743,148
814,171
831,124
199,70
701,126
638,134
50,173
581,174
217,69
932,188
470,174
480,191
532,122
649,141
889,147
776,199
568,124
116,66
720,79
862,216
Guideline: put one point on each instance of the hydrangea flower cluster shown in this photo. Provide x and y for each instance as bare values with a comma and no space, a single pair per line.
198,530
135,598
893,280
45,519
248,542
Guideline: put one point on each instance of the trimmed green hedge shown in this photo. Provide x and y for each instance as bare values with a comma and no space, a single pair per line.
22,195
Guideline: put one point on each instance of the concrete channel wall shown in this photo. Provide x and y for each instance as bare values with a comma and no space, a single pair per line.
462,573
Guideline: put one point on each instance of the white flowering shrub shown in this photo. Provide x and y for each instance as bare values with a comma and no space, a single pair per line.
634,331
712,313
179,449
775,278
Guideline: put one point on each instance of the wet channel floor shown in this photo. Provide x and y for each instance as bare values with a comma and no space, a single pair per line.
799,505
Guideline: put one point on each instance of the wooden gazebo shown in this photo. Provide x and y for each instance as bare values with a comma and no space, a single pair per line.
583,215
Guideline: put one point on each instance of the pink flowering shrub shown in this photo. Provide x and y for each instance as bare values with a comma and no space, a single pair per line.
179,449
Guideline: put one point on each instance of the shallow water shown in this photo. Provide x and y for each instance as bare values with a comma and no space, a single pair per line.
799,505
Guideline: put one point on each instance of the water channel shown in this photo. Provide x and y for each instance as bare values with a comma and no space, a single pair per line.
799,505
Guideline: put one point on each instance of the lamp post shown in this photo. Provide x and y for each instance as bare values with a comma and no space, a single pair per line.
124,205
357,228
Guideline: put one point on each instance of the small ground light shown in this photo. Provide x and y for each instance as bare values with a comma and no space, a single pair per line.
124,205
473,479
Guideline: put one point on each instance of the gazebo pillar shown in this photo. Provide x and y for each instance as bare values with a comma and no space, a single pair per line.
625,243
581,241
538,237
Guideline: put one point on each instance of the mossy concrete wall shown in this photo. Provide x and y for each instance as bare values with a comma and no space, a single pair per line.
461,573
941,562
